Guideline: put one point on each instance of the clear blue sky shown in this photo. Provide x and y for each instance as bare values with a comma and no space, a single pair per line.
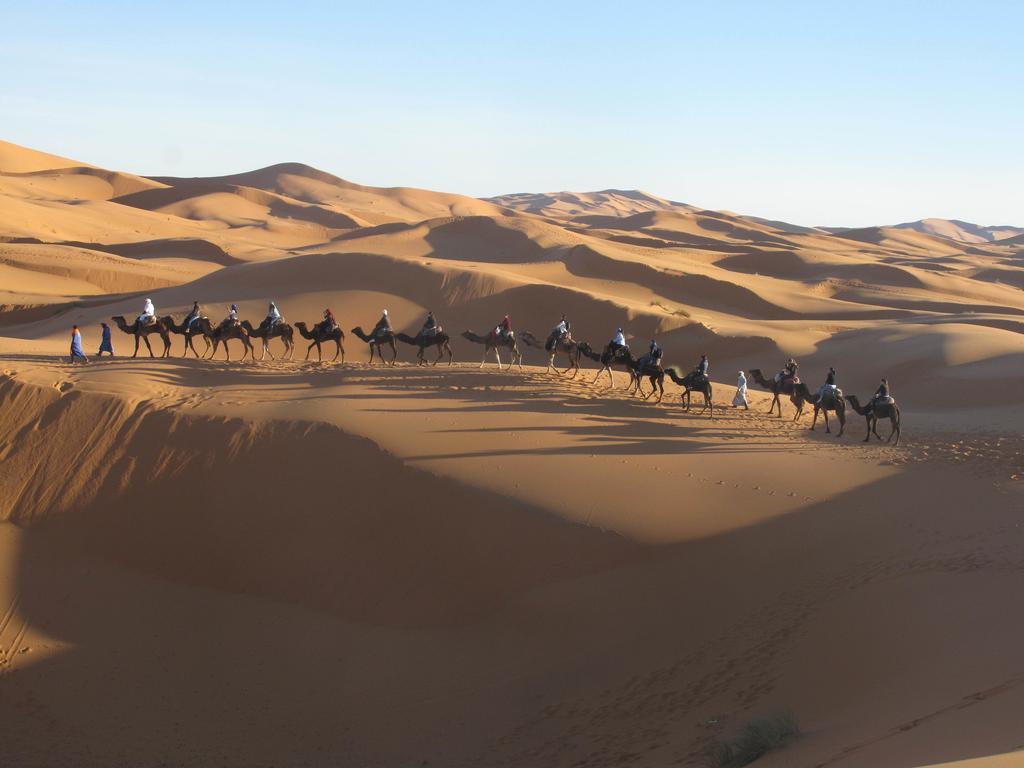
816,112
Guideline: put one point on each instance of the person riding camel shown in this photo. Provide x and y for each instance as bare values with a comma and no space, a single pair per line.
655,352
789,371
383,326
232,318
194,314
653,357
329,323
430,326
881,396
618,346
273,316
829,385
562,331
504,329
148,313
702,367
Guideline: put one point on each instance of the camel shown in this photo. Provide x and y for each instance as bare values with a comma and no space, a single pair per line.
201,327
320,335
830,402
693,382
890,411
652,371
265,332
143,331
608,361
493,341
565,345
377,343
785,387
227,331
439,339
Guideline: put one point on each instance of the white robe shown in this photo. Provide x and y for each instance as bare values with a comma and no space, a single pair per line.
148,310
740,398
619,339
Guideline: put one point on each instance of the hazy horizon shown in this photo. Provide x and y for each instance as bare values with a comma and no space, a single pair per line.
815,116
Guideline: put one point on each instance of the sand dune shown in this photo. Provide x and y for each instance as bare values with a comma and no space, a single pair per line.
375,205
304,564
962,231
609,202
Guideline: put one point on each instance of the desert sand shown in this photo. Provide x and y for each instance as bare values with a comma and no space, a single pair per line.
302,563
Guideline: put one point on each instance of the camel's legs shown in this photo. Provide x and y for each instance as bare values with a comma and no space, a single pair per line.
394,353
497,356
148,346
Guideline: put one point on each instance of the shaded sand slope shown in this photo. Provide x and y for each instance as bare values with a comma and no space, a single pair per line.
313,589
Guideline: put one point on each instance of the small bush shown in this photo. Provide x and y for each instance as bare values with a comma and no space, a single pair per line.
756,739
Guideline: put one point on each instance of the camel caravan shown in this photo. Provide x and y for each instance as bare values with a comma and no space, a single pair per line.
615,355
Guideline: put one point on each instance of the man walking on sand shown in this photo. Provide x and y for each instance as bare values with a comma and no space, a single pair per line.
76,346
105,345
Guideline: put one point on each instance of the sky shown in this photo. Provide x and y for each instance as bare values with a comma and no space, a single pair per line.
819,113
